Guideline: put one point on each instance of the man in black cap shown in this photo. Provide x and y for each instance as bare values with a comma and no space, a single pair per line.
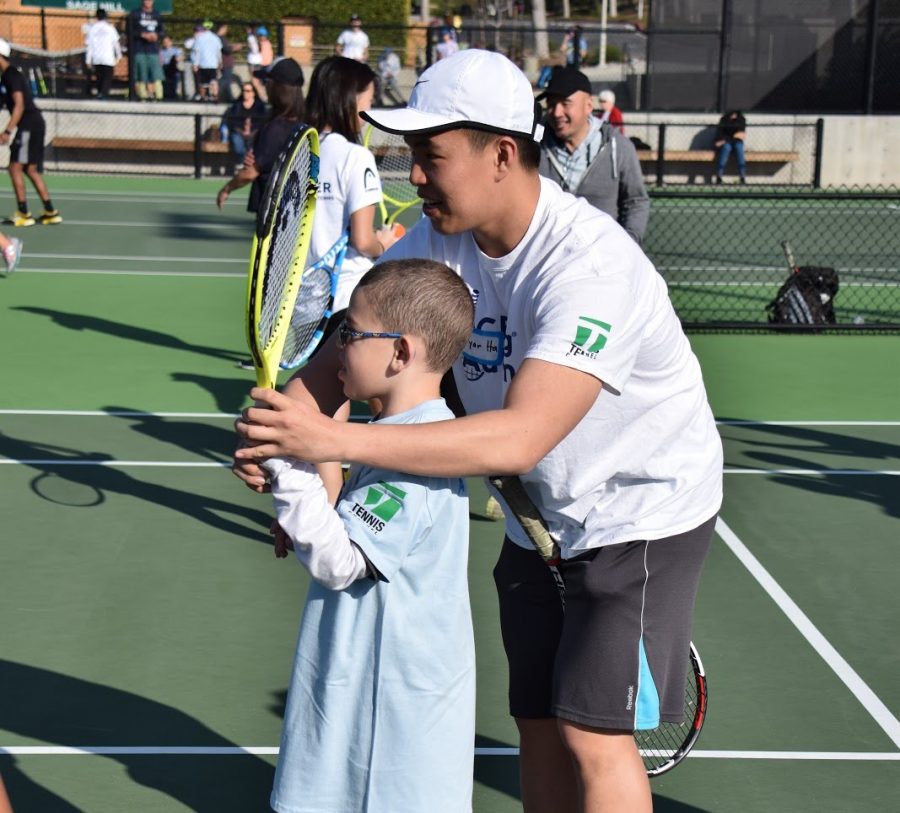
588,157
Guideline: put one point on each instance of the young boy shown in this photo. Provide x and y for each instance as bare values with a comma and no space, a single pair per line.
381,707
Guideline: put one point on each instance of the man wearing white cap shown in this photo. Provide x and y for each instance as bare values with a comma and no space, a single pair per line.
579,379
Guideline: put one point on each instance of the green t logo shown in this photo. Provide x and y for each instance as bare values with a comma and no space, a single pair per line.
384,501
591,335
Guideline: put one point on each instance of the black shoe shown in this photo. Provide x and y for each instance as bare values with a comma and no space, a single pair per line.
718,179
743,180
246,364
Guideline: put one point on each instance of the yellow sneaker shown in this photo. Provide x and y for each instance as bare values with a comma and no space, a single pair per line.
50,216
22,219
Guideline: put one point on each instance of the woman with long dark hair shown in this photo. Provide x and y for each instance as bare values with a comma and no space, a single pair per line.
349,186
285,88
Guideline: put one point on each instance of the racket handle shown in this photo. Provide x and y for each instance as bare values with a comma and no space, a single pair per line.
399,230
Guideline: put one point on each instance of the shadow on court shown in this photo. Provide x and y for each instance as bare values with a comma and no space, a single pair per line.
57,471
50,707
217,228
230,394
79,322
791,447
215,443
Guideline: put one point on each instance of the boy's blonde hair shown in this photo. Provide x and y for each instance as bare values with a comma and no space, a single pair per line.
426,299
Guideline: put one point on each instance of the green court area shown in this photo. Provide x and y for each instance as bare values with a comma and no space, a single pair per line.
148,631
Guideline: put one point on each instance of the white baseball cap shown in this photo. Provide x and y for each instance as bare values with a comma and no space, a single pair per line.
472,88
5,48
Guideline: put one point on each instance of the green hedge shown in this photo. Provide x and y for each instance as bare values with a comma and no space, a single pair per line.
332,15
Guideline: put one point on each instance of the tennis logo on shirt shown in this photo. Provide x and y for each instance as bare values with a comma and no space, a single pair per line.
370,180
380,506
590,337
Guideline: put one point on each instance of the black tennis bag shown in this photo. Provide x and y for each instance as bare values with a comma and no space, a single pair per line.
806,298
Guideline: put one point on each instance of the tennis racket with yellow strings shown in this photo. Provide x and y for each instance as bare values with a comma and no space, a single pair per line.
394,161
275,282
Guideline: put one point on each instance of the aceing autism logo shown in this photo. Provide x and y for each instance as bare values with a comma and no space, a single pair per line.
590,337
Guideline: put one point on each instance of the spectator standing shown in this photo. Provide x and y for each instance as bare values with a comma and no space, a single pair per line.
610,112
447,46
589,157
266,52
254,58
574,47
730,134
146,34
242,120
102,52
24,133
229,49
206,59
353,42
171,58
386,86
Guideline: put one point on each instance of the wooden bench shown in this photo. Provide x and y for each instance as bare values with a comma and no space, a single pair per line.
135,144
214,155
699,156
696,163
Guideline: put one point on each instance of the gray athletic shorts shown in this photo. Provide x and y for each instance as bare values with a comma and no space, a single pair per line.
618,657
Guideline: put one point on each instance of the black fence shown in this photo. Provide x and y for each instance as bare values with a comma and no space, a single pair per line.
721,253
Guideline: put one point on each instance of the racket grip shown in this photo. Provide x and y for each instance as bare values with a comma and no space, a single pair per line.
399,230
528,516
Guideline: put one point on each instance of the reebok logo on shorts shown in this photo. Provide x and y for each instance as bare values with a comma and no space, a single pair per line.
590,337
380,506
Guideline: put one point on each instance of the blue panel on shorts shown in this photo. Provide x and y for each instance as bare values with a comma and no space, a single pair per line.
647,706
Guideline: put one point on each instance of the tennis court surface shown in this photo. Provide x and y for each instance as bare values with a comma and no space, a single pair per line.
147,631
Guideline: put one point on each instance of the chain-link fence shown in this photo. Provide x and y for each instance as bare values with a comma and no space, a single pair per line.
721,253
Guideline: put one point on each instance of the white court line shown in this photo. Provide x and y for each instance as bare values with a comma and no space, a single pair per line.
869,700
144,224
266,750
124,272
118,464
131,257
814,472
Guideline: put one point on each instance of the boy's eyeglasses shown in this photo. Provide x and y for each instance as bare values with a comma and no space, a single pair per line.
346,334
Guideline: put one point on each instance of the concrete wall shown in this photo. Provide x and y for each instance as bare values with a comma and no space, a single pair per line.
857,150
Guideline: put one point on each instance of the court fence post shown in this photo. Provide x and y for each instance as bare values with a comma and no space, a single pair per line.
660,154
817,162
198,146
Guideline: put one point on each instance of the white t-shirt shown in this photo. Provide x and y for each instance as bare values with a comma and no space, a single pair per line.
348,182
646,461
353,43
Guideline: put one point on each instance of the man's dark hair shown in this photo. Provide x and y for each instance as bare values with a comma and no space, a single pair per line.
529,149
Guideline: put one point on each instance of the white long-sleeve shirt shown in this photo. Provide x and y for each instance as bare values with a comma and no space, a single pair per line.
102,43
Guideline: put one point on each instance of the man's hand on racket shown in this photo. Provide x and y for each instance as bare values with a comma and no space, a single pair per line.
279,426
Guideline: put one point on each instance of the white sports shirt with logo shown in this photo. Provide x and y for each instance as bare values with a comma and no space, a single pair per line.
381,707
353,43
348,182
646,461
